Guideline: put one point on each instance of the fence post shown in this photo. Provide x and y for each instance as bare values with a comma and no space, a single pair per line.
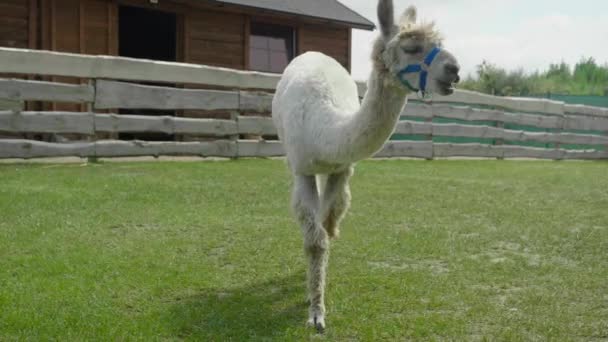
560,130
89,106
15,107
499,141
234,115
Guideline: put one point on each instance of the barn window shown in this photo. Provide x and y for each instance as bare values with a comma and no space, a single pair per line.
271,47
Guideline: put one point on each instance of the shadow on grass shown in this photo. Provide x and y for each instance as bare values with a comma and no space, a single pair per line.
261,310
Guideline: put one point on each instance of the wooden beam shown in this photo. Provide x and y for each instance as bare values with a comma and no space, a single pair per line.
587,123
258,102
413,128
85,66
518,104
19,148
166,124
117,148
256,125
415,109
489,132
89,123
586,110
11,105
47,122
110,94
23,90
443,150
413,149
259,148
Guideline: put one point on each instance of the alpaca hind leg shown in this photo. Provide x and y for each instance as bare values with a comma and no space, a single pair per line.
336,201
305,204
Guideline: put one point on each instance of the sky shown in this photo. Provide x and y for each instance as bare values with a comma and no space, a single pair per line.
513,34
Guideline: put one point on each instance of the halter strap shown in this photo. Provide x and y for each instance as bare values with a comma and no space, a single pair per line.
411,68
431,56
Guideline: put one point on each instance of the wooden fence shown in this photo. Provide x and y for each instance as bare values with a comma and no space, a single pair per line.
103,89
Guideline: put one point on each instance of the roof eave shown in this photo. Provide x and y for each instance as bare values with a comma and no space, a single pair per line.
359,26
369,26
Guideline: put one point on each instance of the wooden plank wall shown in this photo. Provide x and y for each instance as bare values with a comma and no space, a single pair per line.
216,39
18,30
18,26
78,26
99,28
331,41
14,23
209,37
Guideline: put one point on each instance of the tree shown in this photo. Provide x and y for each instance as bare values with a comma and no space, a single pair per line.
586,78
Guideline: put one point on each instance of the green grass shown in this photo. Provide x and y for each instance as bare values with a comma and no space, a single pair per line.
439,250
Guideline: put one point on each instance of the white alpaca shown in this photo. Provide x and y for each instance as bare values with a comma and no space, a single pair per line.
325,130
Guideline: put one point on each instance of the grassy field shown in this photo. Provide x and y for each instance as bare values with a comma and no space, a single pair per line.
440,250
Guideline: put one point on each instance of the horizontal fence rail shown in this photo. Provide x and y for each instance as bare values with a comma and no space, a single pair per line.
37,62
45,91
502,125
19,148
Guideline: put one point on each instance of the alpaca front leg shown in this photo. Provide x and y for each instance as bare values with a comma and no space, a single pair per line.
336,201
317,252
316,245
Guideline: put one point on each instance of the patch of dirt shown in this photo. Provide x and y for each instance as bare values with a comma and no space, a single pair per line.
432,265
470,235
507,252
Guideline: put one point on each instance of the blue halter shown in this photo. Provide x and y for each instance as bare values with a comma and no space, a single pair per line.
421,68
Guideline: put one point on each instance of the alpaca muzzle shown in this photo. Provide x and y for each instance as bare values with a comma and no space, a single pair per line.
422,68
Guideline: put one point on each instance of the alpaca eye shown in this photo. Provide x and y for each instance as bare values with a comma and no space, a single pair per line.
412,49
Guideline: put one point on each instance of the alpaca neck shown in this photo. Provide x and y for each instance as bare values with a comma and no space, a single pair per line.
375,120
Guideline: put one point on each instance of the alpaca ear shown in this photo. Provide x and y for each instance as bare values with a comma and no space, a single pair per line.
408,17
386,18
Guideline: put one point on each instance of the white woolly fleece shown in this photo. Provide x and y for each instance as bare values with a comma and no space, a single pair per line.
317,114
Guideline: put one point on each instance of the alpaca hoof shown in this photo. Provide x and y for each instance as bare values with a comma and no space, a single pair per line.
333,233
318,322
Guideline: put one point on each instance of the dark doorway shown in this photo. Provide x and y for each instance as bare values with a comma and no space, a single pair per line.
149,34
146,33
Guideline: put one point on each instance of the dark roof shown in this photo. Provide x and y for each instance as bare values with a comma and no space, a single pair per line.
331,10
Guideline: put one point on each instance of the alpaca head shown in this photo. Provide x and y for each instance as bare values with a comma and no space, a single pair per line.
413,53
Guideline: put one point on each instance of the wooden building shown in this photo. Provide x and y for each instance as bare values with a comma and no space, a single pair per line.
242,34
261,35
